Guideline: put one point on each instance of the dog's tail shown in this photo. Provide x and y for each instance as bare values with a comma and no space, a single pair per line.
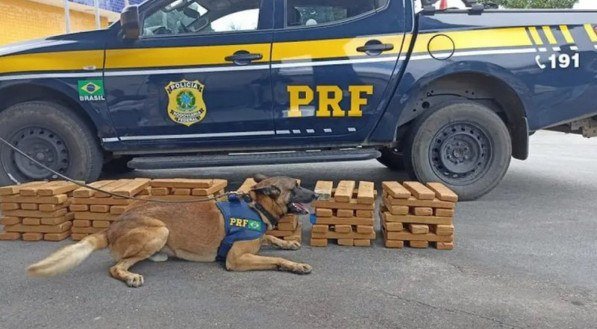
69,256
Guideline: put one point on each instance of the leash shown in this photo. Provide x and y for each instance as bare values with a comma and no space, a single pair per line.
66,178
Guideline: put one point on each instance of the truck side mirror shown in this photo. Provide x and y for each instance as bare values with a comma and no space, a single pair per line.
129,22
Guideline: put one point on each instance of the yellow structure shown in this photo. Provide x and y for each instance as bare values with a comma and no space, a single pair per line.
31,19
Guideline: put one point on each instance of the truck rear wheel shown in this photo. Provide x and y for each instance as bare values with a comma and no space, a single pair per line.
463,144
51,134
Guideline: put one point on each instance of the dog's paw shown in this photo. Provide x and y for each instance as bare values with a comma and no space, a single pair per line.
135,281
293,245
302,268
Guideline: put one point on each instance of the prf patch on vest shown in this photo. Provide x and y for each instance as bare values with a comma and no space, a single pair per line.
249,224
185,102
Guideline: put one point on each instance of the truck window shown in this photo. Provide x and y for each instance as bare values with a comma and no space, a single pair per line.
316,12
245,20
202,17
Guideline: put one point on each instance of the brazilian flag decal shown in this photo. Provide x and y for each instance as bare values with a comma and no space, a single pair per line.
90,90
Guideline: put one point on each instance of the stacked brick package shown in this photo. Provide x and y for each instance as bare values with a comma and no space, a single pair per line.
181,189
36,211
344,214
418,215
94,211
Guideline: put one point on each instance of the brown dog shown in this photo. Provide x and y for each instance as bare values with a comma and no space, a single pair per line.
190,231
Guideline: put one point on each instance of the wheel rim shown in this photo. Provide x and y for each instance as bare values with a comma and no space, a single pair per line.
460,152
42,145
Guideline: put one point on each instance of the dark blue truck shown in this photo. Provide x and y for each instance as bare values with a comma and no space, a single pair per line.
448,96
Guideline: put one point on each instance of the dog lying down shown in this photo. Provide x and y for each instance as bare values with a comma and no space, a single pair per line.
232,231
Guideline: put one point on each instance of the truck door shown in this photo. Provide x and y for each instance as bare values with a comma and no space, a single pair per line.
332,64
199,72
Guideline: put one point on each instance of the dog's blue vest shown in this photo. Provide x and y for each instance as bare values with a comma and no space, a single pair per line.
242,223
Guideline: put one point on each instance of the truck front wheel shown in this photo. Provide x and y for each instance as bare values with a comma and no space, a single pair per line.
463,144
51,134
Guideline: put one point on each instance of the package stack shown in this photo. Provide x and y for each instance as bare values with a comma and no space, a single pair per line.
344,214
289,227
418,215
36,211
94,211
181,189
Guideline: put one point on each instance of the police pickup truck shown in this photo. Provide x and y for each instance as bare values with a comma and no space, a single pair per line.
449,95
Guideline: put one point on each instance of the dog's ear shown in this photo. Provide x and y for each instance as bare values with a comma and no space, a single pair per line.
272,191
259,178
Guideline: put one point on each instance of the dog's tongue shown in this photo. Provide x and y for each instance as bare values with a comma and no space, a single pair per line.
301,208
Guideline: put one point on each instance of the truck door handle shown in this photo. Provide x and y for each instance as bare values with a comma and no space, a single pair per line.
243,57
375,47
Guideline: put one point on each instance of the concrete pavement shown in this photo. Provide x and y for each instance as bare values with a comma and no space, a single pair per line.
525,256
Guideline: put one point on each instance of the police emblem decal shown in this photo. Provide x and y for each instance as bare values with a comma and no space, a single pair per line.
185,102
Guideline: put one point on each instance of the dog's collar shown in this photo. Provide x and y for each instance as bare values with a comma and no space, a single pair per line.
271,218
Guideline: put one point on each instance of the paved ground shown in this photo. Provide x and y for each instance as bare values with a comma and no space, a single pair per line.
525,257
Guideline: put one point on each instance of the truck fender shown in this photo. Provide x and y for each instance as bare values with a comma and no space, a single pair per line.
95,114
486,82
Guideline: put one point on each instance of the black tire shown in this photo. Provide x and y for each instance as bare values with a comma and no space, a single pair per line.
118,166
52,134
463,144
392,158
